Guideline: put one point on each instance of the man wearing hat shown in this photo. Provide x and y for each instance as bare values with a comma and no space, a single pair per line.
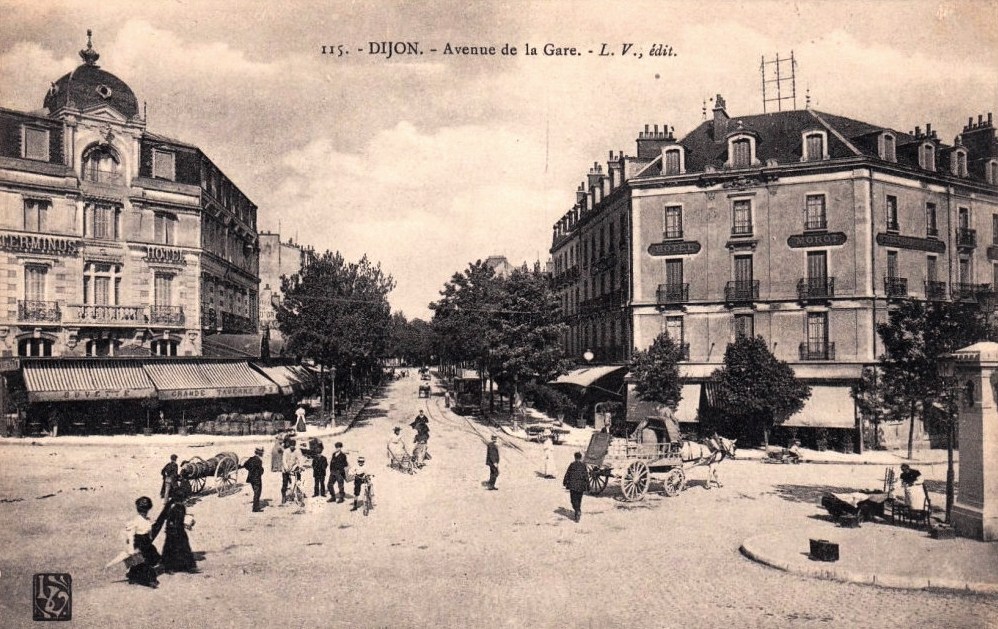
337,472
492,460
359,478
254,465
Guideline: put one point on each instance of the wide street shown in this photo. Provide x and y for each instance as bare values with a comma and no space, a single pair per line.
438,550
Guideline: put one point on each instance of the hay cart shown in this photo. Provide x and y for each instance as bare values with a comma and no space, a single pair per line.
222,467
650,447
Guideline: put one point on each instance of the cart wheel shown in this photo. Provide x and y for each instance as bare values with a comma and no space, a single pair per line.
675,482
635,481
597,480
225,475
196,485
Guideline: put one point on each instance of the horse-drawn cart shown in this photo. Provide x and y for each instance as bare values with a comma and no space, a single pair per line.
195,472
653,446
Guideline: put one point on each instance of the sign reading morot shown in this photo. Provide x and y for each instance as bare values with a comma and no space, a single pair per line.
677,248
30,243
827,239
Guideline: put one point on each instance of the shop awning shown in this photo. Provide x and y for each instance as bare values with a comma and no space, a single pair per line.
828,407
68,381
290,379
586,376
196,379
689,403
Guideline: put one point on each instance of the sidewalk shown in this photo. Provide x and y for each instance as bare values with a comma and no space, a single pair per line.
344,423
881,554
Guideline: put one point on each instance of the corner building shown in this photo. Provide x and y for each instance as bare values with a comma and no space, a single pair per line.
115,241
800,226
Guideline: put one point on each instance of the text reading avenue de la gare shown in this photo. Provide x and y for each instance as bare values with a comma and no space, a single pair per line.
399,49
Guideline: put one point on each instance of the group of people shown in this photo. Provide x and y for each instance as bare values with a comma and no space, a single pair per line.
287,458
397,449
144,561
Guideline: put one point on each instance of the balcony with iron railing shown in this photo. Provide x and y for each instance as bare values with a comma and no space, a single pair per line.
966,238
672,233
814,221
817,351
896,286
166,315
741,229
739,291
931,231
30,311
935,291
815,288
103,176
102,313
237,324
969,292
673,293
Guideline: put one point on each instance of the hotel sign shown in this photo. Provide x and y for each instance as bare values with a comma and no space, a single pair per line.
824,239
911,242
165,255
191,394
29,243
678,248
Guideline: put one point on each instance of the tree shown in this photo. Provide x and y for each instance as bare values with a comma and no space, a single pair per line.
462,317
656,372
525,333
915,336
336,313
755,389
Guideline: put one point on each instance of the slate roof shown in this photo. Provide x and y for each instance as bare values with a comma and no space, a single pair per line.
89,86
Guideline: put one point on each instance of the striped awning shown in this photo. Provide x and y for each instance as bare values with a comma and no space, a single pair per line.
291,379
195,379
68,381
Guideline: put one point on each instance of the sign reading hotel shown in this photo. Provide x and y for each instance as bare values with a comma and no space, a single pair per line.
190,394
30,243
678,248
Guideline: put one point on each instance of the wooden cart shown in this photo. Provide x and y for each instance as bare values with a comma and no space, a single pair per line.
651,447
222,467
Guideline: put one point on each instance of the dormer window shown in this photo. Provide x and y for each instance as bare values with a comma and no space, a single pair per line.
888,144
991,172
36,143
958,162
164,165
741,151
100,165
672,161
815,144
927,156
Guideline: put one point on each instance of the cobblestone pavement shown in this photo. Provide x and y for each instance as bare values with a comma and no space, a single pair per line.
440,551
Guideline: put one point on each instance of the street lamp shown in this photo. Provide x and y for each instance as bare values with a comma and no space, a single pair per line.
588,355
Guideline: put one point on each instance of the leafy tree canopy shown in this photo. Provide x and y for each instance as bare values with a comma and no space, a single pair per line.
656,372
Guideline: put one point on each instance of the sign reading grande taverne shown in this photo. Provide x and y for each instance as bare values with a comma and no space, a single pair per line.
827,239
678,248
911,242
186,394
29,243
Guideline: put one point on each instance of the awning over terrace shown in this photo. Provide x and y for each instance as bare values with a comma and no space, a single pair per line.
291,379
71,380
192,380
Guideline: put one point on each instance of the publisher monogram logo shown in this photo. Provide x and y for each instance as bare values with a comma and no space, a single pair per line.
52,596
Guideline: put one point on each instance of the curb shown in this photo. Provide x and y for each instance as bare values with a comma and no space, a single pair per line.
751,551
195,441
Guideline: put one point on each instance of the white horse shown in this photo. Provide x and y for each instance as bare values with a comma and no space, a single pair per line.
715,450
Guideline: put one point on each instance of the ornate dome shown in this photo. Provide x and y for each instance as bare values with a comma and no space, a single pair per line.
88,86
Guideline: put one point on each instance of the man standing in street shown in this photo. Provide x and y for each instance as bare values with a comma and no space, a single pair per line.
254,467
576,482
169,473
337,472
492,460
291,465
319,473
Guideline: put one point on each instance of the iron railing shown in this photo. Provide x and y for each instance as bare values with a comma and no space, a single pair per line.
817,351
673,293
166,315
896,286
816,287
741,291
966,237
34,310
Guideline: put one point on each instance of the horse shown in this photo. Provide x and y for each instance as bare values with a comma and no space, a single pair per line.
715,450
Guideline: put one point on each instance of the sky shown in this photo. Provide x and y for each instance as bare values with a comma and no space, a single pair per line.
429,162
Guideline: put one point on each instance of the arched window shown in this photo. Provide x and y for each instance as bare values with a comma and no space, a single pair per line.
991,172
888,150
741,153
928,155
672,161
814,146
101,165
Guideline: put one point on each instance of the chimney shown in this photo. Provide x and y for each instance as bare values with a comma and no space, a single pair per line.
918,132
928,129
595,174
580,194
720,119
990,119
980,120
650,142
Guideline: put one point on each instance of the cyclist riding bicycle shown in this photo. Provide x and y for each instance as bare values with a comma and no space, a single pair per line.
360,477
291,467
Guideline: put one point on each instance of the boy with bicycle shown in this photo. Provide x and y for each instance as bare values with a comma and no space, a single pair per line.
360,476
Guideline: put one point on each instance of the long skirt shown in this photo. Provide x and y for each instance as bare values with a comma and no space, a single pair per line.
145,572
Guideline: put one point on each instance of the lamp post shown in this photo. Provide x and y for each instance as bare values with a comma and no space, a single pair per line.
947,370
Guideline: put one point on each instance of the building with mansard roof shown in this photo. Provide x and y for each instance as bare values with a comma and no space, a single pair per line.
801,226
116,241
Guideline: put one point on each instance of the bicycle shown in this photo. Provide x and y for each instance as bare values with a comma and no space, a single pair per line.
368,494
296,494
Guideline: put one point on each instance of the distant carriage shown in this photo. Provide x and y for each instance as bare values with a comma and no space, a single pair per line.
647,448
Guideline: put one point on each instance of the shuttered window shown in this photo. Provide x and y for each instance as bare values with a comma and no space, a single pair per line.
815,146
163,165
34,282
741,156
36,144
672,162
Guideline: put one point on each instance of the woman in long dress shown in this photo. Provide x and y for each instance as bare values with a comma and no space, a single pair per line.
177,555
138,538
